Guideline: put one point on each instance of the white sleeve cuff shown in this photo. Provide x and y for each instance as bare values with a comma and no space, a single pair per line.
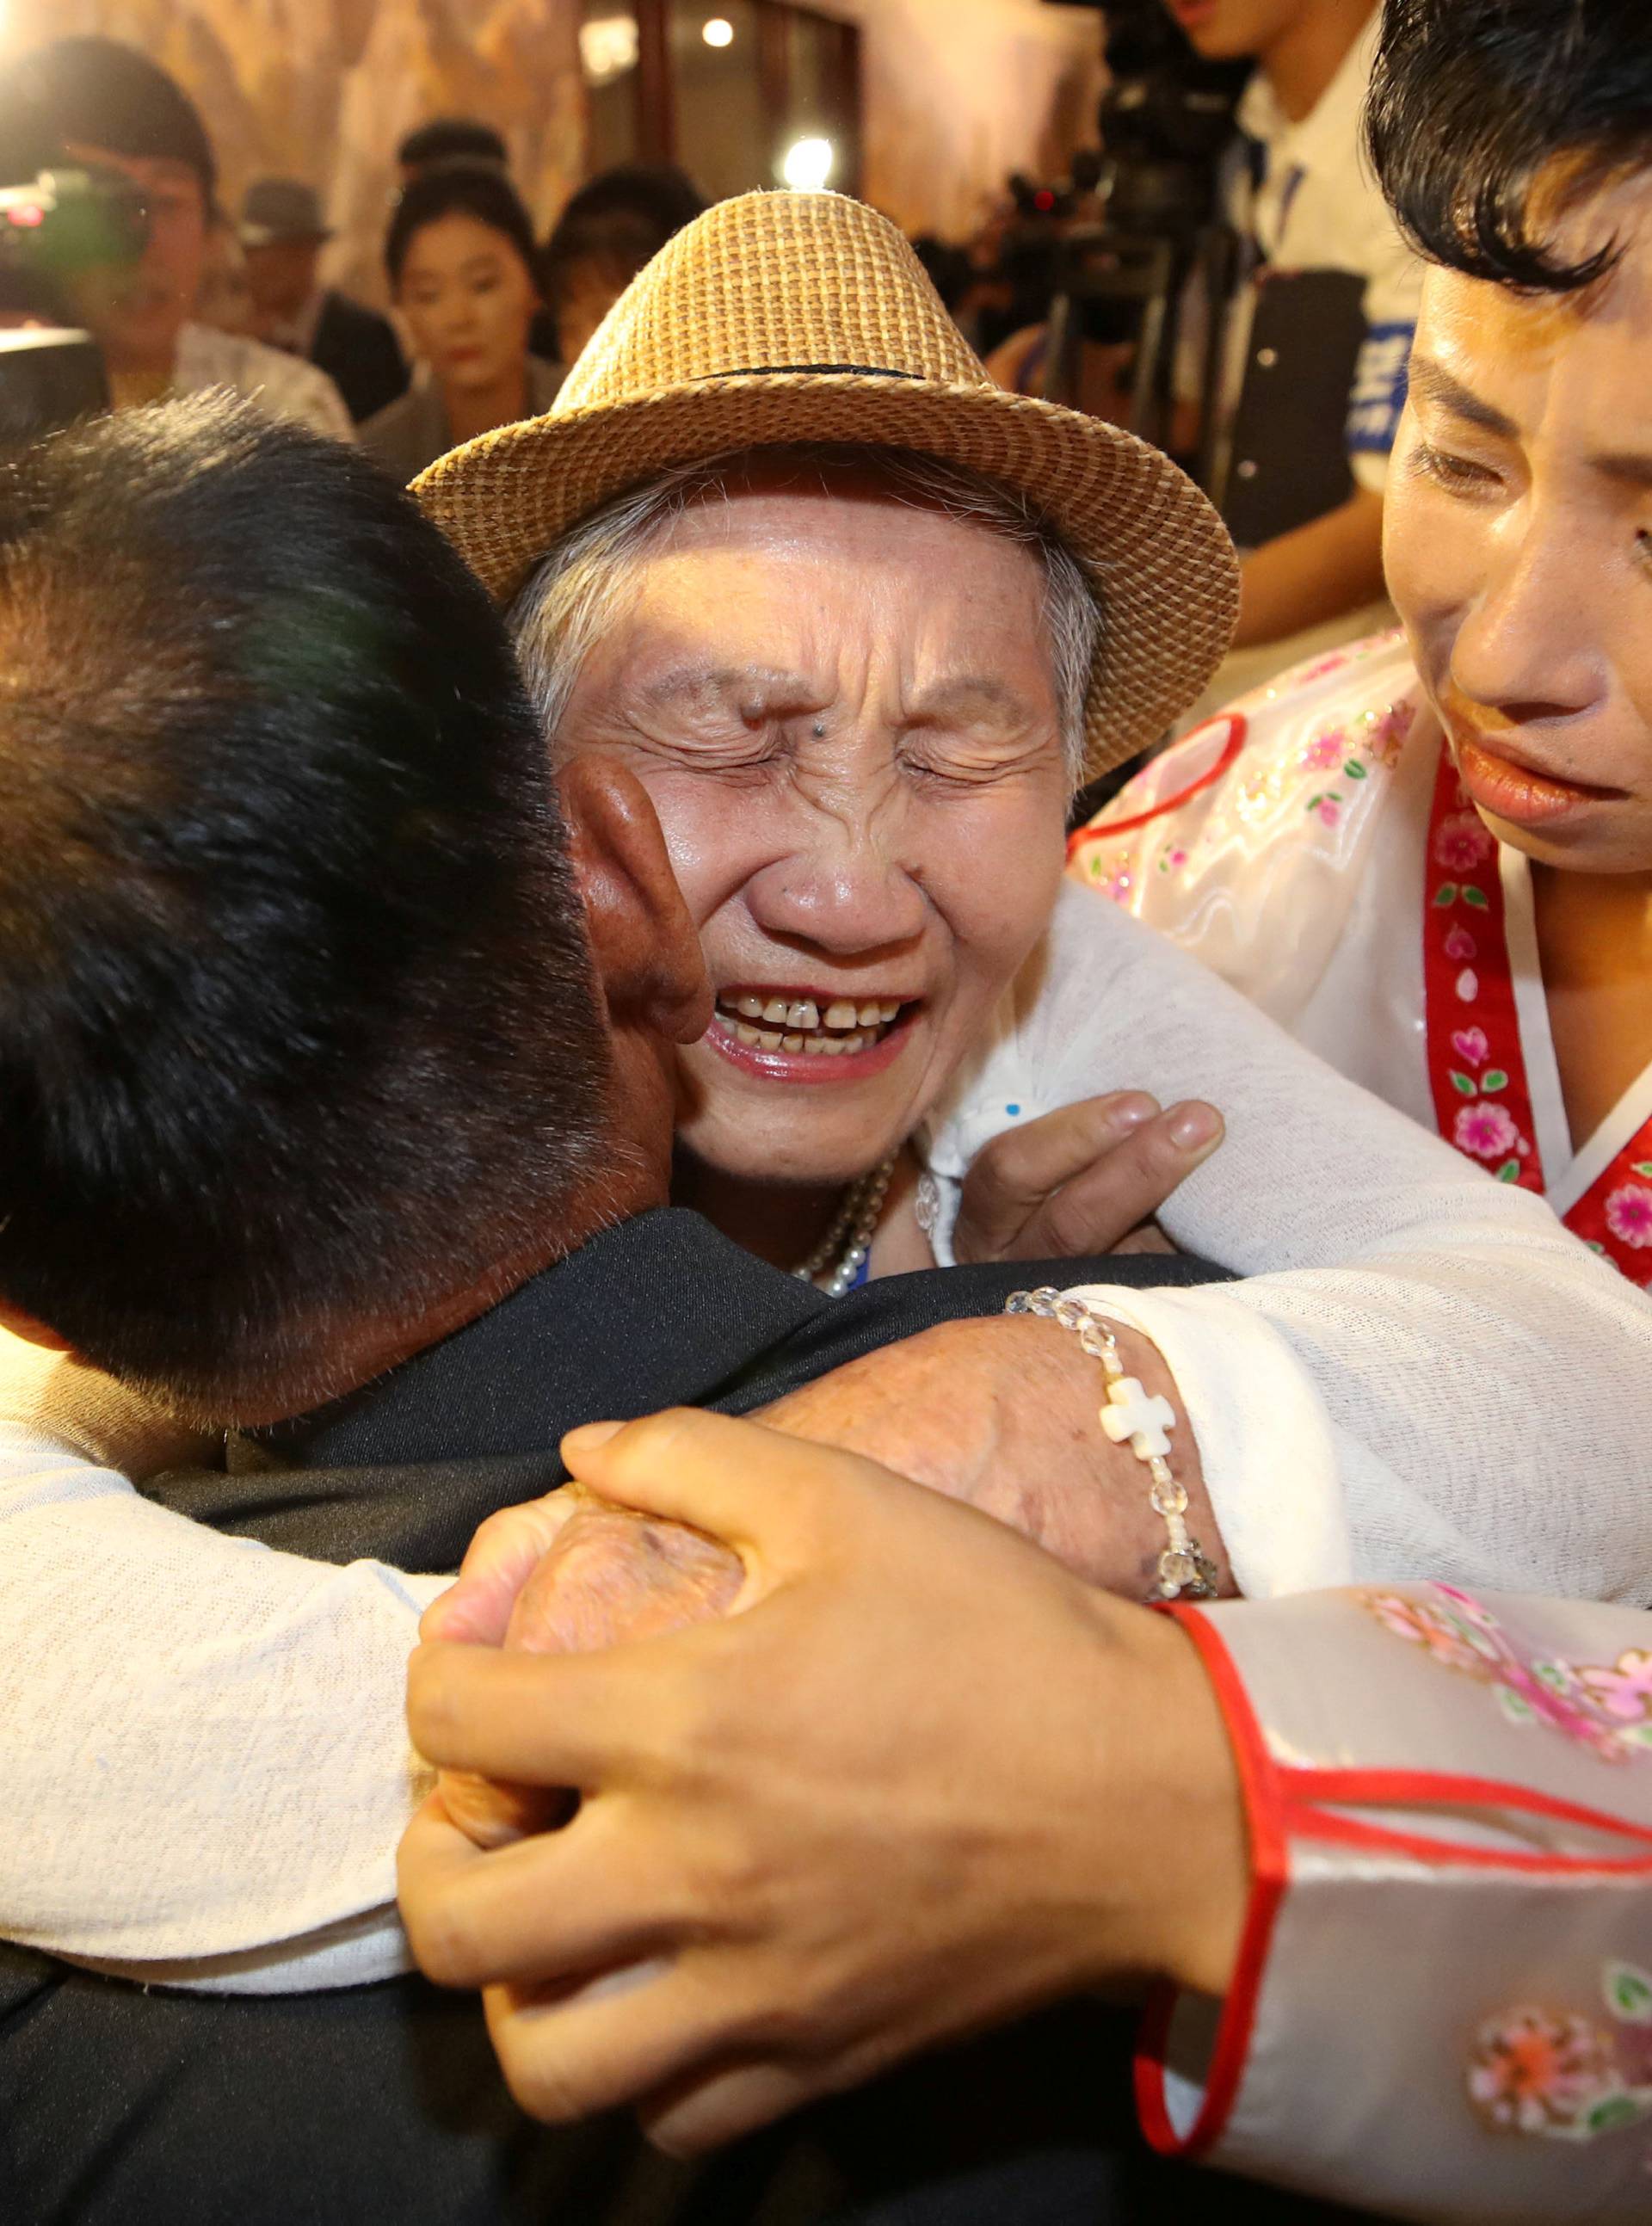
1266,1446
357,1951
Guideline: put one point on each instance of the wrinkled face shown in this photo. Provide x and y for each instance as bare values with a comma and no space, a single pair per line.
468,298
843,709
137,314
1519,544
1222,30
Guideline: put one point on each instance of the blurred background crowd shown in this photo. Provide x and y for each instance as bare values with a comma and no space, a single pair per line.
402,220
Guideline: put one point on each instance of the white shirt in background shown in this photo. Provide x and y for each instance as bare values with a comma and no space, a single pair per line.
282,386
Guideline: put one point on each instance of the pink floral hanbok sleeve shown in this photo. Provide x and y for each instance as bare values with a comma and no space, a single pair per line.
1247,841
1443,2008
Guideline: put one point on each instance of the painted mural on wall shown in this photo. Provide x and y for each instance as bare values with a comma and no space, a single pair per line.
324,89
957,92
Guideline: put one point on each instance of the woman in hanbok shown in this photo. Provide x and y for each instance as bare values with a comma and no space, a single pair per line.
1430,856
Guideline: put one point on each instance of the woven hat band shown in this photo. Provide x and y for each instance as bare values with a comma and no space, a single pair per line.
789,370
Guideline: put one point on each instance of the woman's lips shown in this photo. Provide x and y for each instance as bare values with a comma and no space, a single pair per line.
777,1052
1517,793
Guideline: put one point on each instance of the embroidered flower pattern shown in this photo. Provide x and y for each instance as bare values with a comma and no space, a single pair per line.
1460,946
1113,878
1537,2074
1471,1046
1563,2076
1369,738
1486,1132
1427,1627
1625,1689
1463,843
1629,1215
1608,1709
1386,730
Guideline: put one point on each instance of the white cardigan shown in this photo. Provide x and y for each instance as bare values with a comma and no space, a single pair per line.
1426,1376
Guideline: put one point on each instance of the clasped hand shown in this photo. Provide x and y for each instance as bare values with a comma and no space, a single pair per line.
915,1778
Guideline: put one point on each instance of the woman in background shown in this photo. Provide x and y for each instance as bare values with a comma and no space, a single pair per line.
616,222
1430,858
460,257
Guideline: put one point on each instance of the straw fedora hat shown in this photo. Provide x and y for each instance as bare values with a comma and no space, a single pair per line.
805,317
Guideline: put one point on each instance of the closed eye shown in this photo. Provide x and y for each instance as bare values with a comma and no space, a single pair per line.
1458,475
956,761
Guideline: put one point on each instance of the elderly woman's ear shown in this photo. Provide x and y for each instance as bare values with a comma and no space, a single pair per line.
646,944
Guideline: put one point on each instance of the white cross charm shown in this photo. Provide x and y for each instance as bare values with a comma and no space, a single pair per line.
1130,1414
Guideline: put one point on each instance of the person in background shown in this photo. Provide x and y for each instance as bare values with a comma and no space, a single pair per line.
224,297
466,140
450,139
1430,858
611,227
282,234
1316,377
110,106
460,257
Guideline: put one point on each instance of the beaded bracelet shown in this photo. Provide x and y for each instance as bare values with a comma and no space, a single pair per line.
1131,1416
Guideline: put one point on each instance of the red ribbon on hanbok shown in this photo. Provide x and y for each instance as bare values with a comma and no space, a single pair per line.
1477,1067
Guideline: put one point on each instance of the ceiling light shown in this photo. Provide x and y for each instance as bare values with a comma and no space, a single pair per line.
608,48
807,164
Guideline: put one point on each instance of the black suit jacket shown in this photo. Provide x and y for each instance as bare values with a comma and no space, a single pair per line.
385,2104
358,351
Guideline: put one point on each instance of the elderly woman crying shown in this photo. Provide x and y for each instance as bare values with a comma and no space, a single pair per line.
786,551
859,622
853,681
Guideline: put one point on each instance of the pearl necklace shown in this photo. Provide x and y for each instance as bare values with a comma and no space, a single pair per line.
852,1232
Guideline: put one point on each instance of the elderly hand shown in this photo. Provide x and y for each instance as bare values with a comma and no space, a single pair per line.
922,1780
1001,1413
1004,1412
569,1574
1083,1179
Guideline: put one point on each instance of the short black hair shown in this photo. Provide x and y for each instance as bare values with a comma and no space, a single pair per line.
452,139
298,1025
658,193
616,223
458,189
1472,101
109,95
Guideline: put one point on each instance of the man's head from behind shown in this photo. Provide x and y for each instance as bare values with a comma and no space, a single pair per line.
300,1036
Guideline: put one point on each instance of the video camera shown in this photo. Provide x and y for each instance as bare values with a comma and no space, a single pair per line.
61,224
1105,258
57,224
1166,121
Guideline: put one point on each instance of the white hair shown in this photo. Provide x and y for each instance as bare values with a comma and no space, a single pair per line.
580,584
